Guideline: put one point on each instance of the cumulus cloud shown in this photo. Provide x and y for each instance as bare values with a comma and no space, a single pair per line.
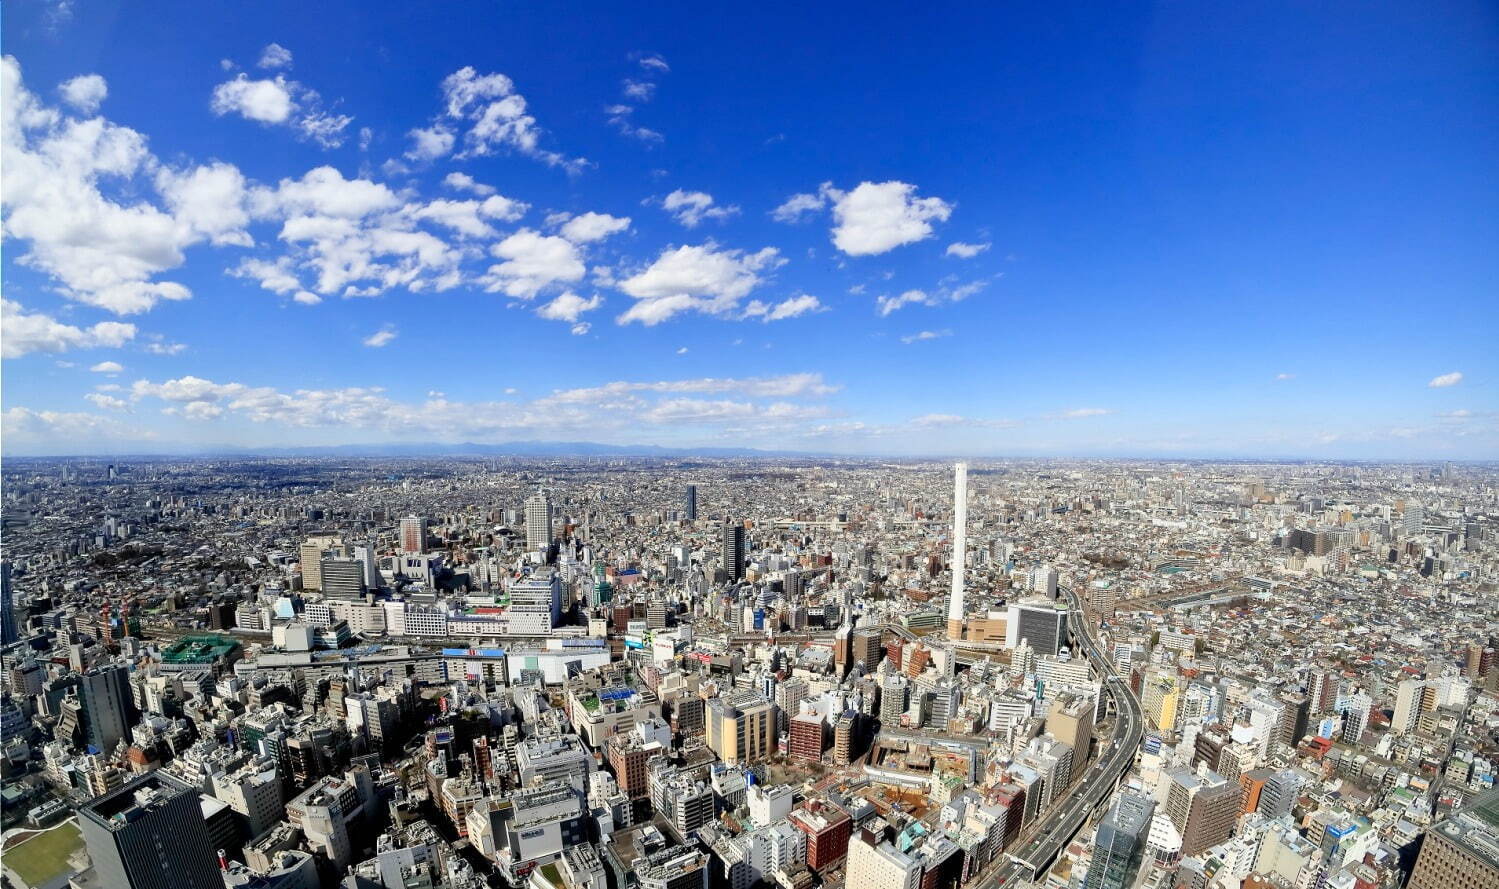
1083,412
274,56
795,307
700,278
568,306
587,228
29,431
966,251
22,333
924,335
278,101
532,262
1446,380
692,207
107,367
493,118
465,182
106,402
692,403
873,218
86,92
160,348
382,337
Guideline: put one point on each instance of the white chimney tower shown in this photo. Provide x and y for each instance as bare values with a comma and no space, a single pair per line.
955,610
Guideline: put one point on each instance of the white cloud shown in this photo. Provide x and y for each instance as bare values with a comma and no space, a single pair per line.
86,92
619,118
587,228
1083,412
948,291
266,101
276,101
533,261
210,201
925,335
655,63
465,182
796,207
876,218
569,306
307,298
1280,378
1445,380
496,117
382,337
107,367
275,56
106,402
966,251
166,348
695,278
639,90
429,143
22,333
581,328
467,217
28,431
794,307
691,207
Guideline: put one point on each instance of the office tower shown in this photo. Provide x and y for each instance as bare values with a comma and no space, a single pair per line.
150,834
1407,706
1204,807
827,828
741,728
867,648
538,522
107,708
8,632
893,688
1042,624
1119,845
692,503
955,604
310,556
365,555
733,550
1070,721
413,534
1044,581
806,736
879,865
342,578
1462,850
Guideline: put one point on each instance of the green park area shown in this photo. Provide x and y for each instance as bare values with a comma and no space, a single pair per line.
44,857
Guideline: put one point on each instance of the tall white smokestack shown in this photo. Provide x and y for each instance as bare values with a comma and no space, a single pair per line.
959,550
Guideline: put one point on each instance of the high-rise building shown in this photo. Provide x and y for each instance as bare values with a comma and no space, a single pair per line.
538,522
733,550
827,828
879,865
741,728
310,556
342,578
1042,624
8,632
1119,845
107,708
692,503
1070,721
1203,807
955,603
1462,850
413,534
867,647
806,736
150,834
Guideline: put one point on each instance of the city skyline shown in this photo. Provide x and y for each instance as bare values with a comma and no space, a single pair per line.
991,234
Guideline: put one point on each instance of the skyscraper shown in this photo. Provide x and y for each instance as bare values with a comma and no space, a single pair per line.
1119,846
1041,623
955,605
413,534
692,503
8,632
106,705
310,556
733,550
150,834
538,522
1462,850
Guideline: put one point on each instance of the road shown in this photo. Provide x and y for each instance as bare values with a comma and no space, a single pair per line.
1057,827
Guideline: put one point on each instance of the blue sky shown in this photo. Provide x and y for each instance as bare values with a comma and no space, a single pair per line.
1140,230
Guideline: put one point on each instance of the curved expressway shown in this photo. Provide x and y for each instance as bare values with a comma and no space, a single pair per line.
1055,828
